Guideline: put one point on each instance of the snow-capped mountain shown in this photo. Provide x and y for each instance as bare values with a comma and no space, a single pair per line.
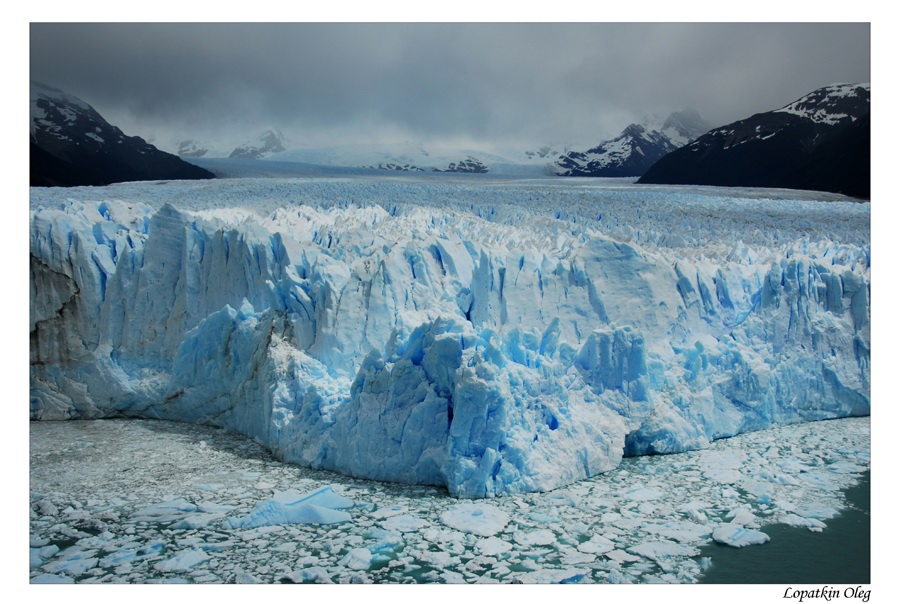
629,154
547,152
469,165
191,148
266,144
684,126
397,167
832,105
412,156
71,145
636,149
407,156
819,142
394,156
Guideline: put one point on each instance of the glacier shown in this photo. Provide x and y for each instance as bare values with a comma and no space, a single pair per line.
493,336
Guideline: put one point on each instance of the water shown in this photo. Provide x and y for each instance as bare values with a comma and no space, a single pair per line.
93,482
838,555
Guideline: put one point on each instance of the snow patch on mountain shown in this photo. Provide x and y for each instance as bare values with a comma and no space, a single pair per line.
831,105
54,112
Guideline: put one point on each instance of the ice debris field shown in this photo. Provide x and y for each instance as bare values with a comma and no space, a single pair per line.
493,338
145,501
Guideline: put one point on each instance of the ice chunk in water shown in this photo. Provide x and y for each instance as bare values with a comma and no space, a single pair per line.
598,544
50,578
493,546
478,518
271,512
324,497
736,535
321,506
404,523
358,559
182,561
538,537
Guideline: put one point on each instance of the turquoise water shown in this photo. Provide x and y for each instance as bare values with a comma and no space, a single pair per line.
840,554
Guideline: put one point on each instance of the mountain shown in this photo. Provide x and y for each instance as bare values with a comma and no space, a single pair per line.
470,165
392,156
396,167
415,156
636,149
684,126
544,152
266,144
72,145
191,148
819,142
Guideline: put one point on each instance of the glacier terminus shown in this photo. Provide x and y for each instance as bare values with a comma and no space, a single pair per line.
493,336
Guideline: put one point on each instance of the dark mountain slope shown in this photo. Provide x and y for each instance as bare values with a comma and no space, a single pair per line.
819,142
72,145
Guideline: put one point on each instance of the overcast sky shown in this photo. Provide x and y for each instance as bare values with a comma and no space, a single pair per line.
484,84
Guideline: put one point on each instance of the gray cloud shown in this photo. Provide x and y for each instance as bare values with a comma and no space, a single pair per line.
505,83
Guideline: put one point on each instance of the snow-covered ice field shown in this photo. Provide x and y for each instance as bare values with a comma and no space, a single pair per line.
493,347
150,501
492,336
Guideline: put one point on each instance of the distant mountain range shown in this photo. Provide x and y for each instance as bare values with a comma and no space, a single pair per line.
397,157
404,156
819,142
266,144
72,145
637,148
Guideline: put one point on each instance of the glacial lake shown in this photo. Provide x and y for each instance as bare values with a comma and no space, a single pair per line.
146,501
842,551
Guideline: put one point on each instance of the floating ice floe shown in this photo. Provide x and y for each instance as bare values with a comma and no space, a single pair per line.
196,521
404,523
492,546
317,507
358,558
166,511
607,536
538,537
74,566
812,524
736,535
313,574
662,551
477,518
51,578
182,561
597,544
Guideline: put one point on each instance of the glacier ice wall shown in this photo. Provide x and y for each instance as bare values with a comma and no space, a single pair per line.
495,340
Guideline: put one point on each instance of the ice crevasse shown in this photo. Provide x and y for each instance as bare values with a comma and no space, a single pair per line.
436,346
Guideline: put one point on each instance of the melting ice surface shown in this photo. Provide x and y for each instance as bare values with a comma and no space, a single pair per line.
140,501
492,338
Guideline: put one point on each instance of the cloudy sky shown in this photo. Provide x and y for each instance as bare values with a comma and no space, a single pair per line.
493,85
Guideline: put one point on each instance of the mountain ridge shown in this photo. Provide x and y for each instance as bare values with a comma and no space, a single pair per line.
73,145
633,151
820,141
